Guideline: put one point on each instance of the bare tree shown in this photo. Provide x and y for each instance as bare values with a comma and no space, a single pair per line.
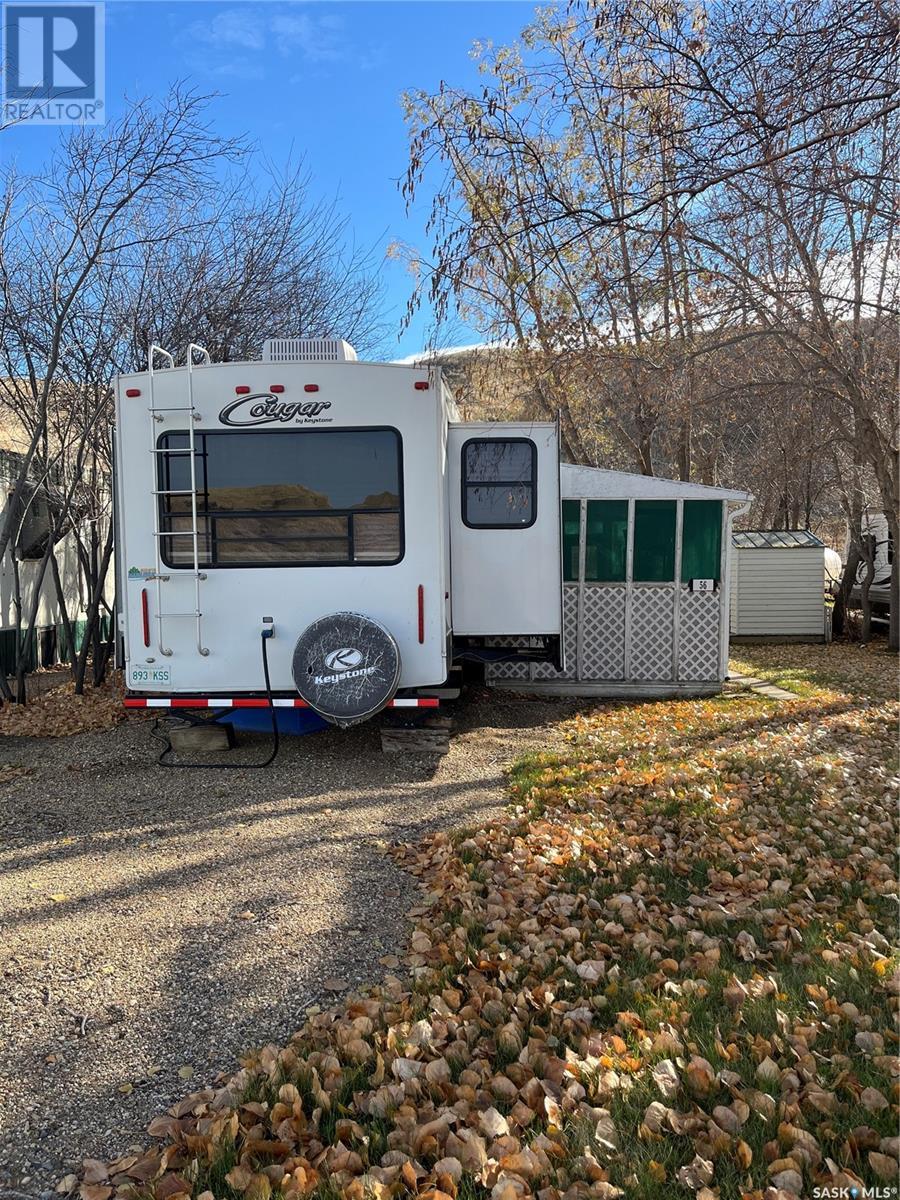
643,191
148,229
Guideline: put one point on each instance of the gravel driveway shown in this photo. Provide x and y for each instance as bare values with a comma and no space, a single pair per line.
154,923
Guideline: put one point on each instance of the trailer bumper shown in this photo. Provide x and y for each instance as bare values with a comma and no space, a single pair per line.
254,702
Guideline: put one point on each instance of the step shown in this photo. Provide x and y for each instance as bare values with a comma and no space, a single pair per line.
440,721
415,741
215,736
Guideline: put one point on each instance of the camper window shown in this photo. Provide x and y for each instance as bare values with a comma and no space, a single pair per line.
498,483
306,497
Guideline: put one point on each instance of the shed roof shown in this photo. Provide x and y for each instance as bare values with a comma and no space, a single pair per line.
595,482
775,539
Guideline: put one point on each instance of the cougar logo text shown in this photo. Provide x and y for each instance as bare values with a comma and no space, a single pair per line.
265,409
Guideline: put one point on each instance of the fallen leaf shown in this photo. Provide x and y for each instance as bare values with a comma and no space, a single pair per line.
884,1165
696,1174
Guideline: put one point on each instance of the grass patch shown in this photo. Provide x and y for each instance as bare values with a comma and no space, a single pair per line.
705,890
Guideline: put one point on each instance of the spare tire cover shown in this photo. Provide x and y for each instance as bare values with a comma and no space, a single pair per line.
346,667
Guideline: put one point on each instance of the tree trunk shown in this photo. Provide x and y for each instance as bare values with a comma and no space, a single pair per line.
684,455
17,606
93,615
63,611
894,596
839,622
865,583
29,634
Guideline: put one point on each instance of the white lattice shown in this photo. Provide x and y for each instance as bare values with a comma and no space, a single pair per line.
570,637
602,633
507,670
698,646
652,633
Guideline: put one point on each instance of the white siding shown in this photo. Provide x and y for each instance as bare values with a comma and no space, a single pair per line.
778,593
48,606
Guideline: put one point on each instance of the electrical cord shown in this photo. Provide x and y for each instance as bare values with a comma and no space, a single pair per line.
159,734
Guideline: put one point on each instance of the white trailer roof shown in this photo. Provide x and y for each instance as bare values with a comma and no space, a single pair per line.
594,482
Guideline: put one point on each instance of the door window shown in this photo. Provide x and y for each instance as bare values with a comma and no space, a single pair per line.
499,477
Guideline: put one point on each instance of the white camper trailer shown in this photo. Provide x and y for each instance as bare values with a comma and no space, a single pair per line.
310,530
877,534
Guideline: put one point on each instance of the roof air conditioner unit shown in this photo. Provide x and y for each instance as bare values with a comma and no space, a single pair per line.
316,350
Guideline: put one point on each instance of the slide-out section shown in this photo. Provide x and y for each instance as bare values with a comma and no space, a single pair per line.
505,529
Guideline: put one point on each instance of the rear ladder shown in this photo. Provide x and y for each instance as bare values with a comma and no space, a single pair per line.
158,414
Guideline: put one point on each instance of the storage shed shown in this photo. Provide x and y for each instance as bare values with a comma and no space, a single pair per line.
778,585
645,588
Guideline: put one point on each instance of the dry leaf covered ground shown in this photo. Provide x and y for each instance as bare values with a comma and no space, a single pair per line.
54,711
154,923
667,971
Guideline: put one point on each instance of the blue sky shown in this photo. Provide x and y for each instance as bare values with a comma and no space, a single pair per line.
321,80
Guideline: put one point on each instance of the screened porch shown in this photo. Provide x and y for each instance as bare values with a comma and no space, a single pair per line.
645,581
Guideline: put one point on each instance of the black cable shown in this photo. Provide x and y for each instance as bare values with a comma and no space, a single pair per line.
163,759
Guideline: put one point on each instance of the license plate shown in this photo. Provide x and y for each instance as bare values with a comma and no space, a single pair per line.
141,677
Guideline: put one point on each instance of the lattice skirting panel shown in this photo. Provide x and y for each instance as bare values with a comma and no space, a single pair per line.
698,645
595,620
509,670
602,633
652,633
570,639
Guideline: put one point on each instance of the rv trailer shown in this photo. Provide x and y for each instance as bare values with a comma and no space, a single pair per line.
874,532
309,530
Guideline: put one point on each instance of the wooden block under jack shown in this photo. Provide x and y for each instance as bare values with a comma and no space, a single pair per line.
211,736
439,721
415,741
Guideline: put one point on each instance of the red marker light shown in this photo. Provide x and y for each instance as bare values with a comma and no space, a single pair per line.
132,391
420,385
145,616
242,391
278,388
310,387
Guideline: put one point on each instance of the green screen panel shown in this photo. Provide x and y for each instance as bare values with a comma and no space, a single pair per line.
701,540
606,539
571,521
654,541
